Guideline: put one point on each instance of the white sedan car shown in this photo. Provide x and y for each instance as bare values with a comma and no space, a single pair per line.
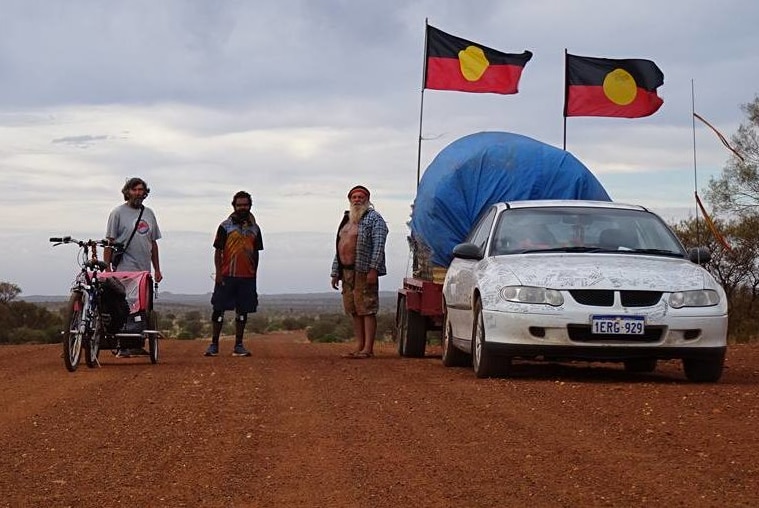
581,280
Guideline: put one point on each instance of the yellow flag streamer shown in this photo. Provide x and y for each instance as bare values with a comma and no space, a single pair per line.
711,226
721,138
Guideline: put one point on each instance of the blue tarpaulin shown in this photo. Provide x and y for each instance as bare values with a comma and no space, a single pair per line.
484,168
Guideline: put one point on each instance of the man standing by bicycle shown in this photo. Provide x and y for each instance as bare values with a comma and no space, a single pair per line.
133,225
236,252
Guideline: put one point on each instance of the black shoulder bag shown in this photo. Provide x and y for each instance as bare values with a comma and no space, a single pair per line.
116,257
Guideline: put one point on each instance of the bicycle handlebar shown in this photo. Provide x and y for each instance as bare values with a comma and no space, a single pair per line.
90,243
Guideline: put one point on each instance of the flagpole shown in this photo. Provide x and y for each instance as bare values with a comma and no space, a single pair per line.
565,99
419,145
421,109
695,165
693,121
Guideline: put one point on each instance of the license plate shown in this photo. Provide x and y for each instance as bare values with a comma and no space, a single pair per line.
618,325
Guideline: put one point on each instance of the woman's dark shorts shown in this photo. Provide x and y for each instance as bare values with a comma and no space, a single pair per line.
235,293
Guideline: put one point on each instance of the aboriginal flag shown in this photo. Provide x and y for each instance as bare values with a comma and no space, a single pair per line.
458,64
605,87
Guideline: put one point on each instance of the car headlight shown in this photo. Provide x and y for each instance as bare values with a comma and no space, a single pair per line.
696,298
528,294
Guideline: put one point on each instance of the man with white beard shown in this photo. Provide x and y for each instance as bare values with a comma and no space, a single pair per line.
359,262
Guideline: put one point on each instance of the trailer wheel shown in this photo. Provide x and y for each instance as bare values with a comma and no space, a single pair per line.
153,347
416,335
401,324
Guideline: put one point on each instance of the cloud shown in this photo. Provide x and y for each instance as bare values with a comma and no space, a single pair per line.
83,141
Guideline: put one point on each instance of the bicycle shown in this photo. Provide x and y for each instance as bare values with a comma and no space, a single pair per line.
87,326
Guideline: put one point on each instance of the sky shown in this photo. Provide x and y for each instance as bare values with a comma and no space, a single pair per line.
296,101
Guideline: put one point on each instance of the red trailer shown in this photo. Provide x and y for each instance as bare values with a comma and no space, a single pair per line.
419,309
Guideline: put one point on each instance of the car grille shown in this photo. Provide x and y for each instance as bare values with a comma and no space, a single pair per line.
605,297
640,298
594,297
581,333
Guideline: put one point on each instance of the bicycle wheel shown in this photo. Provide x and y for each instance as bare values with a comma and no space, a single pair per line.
92,345
72,333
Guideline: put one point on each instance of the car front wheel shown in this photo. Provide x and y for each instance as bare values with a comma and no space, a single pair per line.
704,370
483,361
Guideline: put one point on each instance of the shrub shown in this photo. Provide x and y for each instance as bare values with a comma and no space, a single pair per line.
296,323
330,328
28,335
274,326
257,323
386,326
330,337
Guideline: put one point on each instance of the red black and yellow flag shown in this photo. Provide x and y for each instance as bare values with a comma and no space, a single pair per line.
458,64
605,87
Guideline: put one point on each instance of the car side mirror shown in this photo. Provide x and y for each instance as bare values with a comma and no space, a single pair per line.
467,251
699,255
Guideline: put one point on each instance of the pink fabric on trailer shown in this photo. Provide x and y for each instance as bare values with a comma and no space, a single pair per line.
137,286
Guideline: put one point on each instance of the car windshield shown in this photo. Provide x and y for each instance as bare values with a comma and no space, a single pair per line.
575,229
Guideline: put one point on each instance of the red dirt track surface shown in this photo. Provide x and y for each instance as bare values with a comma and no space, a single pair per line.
296,425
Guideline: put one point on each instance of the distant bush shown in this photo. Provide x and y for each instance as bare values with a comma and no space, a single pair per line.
26,335
296,323
339,328
325,331
257,323
274,326
386,326
22,322
192,327
166,322
329,337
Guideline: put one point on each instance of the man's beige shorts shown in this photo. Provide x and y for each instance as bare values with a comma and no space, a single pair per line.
359,298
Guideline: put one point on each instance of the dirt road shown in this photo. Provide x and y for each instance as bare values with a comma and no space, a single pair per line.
296,425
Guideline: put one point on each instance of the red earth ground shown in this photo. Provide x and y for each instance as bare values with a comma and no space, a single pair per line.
297,425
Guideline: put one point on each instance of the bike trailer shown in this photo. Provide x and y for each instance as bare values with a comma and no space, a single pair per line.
139,295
